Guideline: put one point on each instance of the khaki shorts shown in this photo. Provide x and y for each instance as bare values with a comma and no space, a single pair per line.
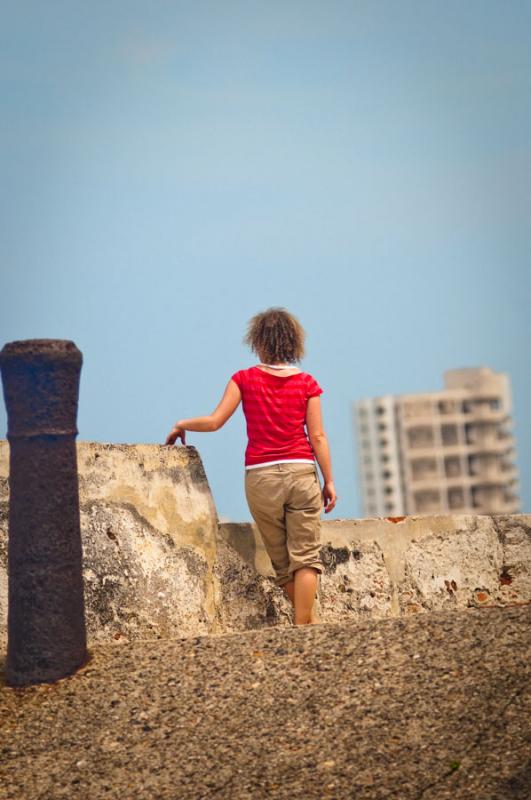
286,502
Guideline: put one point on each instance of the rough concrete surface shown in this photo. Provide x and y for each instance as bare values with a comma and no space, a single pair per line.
429,706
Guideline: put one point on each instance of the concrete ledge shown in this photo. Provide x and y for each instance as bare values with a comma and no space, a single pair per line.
158,565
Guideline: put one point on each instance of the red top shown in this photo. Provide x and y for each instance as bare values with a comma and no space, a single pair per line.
275,412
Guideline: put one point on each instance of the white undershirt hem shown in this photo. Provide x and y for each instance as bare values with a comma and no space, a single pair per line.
283,461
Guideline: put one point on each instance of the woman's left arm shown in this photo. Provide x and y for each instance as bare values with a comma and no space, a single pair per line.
213,422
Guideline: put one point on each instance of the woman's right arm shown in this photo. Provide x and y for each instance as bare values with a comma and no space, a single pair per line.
319,443
212,422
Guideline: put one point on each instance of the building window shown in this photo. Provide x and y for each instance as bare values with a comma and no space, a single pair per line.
427,500
456,497
423,468
447,407
482,433
452,466
489,497
449,434
420,436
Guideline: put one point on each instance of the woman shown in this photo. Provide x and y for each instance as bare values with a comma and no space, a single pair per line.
282,409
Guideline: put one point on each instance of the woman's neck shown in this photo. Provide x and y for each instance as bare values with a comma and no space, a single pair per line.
278,368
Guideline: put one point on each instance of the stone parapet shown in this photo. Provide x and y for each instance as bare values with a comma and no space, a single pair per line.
383,568
157,564
149,530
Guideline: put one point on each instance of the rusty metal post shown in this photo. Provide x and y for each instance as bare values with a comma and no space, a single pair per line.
46,620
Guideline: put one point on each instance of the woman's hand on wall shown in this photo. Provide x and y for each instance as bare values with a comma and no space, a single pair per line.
176,433
212,422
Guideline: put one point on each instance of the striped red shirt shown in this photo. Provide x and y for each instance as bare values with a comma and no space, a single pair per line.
275,412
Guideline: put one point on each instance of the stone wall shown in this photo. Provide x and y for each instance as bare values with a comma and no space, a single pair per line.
158,565
149,527
383,568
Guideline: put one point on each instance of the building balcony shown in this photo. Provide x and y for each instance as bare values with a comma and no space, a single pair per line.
457,417
420,421
486,414
498,446
440,482
484,433
426,500
487,481
512,507
426,481
500,507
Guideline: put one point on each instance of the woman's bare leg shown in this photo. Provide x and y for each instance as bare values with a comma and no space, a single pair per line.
289,588
305,588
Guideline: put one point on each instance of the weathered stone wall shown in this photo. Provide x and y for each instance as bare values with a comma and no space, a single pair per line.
380,568
149,526
157,564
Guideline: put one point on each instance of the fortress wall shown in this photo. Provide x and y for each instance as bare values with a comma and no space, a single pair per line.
149,526
381,568
158,565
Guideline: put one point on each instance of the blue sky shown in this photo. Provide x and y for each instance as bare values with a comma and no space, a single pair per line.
169,169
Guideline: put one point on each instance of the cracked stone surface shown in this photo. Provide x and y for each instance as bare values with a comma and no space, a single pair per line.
138,583
486,563
448,571
375,568
355,582
246,599
515,579
431,706
148,527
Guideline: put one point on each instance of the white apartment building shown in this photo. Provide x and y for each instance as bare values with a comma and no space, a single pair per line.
447,451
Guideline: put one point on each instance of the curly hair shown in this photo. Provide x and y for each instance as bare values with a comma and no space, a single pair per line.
276,336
